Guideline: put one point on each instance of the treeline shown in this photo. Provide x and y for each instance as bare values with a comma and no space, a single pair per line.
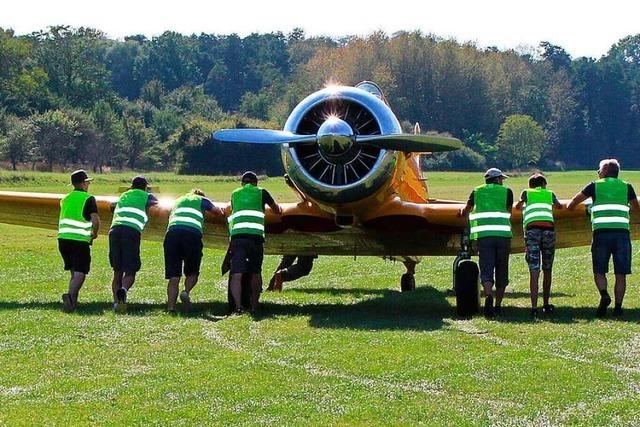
71,96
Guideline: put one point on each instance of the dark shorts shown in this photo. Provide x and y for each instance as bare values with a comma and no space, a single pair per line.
76,255
540,248
494,260
616,243
182,249
246,255
124,249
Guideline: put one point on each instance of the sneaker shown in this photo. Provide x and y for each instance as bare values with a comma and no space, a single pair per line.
121,295
617,312
534,313
605,302
185,298
548,308
115,307
488,307
237,312
67,303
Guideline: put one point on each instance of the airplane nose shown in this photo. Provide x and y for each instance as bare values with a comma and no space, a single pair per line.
335,137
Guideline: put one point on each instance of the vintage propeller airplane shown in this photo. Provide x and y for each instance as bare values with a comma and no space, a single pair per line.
360,187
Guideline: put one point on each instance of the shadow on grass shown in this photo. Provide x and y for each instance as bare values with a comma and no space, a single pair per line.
566,314
527,295
423,309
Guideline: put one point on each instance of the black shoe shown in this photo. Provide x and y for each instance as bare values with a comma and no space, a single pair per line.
498,311
605,302
489,313
548,308
121,295
534,313
67,303
617,312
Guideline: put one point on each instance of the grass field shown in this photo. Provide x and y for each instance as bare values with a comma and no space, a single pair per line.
341,346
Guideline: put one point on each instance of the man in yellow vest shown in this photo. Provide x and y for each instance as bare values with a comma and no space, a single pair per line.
610,222
129,219
246,228
537,204
183,245
490,221
78,226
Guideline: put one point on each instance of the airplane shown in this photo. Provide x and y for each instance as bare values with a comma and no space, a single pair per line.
361,193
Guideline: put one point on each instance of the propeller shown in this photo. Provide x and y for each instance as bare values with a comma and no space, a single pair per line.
335,131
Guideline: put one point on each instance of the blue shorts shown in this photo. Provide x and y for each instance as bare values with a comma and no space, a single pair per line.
608,243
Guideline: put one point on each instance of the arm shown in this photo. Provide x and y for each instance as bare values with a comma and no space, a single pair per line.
268,200
522,201
95,225
576,200
633,199
556,203
468,207
275,208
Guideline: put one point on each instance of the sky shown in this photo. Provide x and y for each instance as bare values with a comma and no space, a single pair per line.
583,28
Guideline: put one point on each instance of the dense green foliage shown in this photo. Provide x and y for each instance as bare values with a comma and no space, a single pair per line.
152,103
340,347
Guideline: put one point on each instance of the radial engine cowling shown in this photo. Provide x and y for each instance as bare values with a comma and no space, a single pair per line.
337,169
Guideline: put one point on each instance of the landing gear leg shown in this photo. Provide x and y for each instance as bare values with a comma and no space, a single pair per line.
466,285
408,280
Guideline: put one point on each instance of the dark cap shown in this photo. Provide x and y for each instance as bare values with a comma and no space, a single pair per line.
80,176
139,182
249,176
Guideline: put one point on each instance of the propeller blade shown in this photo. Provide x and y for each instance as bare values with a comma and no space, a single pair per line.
261,136
411,143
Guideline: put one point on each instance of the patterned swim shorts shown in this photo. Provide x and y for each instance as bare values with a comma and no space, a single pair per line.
541,247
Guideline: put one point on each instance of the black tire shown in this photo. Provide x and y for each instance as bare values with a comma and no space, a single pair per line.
407,283
467,288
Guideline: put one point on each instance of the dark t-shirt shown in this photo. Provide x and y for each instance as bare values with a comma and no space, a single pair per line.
266,200
207,205
90,207
471,200
590,191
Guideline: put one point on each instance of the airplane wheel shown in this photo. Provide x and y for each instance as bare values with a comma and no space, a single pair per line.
407,282
467,288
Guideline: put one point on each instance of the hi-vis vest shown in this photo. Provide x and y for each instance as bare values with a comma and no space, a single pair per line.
490,216
188,212
248,211
131,210
539,207
610,209
71,224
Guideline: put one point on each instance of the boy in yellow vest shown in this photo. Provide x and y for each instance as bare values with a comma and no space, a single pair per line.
537,204
490,207
246,227
129,220
78,226
183,245
610,222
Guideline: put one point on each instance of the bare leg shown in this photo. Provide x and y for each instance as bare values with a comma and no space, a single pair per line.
620,288
534,276
601,281
76,282
546,286
499,296
488,289
256,289
172,293
116,283
128,280
235,286
190,282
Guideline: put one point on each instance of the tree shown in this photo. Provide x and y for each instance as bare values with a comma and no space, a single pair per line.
54,132
109,135
137,140
521,141
17,142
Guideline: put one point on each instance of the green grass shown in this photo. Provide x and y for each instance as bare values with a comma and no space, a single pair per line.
341,346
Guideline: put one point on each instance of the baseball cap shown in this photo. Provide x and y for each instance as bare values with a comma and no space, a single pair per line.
80,176
249,176
494,173
139,182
